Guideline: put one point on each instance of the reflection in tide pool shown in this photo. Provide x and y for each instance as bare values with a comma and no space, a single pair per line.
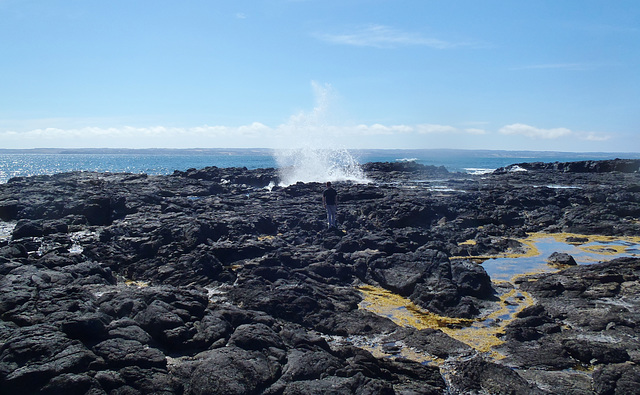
485,332
585,249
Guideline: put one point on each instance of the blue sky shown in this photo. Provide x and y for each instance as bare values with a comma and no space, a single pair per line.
519,75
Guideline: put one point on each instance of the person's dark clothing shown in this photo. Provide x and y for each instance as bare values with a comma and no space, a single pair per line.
329,195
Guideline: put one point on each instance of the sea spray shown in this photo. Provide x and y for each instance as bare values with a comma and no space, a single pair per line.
310,164
312,152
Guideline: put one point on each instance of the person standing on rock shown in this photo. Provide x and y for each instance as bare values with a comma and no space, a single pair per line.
330,202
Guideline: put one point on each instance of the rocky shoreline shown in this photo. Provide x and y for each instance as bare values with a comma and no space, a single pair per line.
216,281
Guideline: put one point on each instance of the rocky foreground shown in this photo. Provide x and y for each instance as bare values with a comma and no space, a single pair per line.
213,282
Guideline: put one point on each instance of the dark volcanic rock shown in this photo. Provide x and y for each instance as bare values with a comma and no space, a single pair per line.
33,355
561,258
404,167
479,376
211,281
589,166
118,353
617,379
583,321
232,370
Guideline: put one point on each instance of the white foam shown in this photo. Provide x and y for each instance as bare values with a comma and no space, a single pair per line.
309,164
478,170
6,228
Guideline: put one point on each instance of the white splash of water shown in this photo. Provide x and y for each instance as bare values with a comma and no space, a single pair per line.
313,152
308,164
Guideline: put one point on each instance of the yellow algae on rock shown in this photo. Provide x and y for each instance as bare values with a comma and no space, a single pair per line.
401,310
485,333
481,334
134,283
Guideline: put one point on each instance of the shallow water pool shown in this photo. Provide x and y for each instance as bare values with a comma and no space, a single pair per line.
585,249
485,332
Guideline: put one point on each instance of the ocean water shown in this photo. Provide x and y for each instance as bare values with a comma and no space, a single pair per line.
154,162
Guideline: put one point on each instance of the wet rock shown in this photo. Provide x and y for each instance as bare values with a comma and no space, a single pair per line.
532,323
561,259
471,279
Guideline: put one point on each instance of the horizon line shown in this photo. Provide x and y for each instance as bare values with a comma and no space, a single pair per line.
278,149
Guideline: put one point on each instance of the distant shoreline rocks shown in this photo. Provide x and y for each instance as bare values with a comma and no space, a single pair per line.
589,166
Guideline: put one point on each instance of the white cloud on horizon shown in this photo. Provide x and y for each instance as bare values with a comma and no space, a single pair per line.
121,137
379,129
431,128
381,36
593,136
550,134
533,132
205,134
259,135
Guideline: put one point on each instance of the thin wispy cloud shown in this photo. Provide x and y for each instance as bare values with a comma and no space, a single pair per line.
603,28
533,132
380,36
431,128
475,131
593,136
559,66
420,129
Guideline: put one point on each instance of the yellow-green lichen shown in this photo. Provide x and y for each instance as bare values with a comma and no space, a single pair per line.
482,334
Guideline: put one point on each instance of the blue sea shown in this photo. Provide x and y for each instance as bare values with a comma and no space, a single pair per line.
14,163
